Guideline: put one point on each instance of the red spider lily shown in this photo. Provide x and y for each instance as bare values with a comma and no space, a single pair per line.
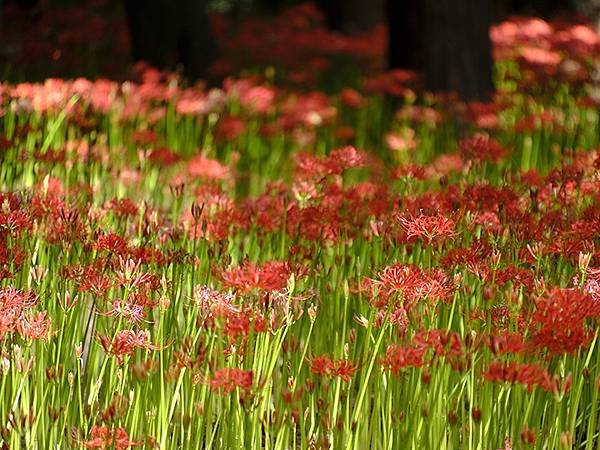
395,82
237,325
129,275
503,343
483,115
517,276
230,128
125,343
352,98
214,303
401,141
528,436
111,242
412,283
225,380
592,284
409,171
189,356
309,166
34,326
163,157
123,207
313,167
344,158
211,169
558,322
530,375
16,298
271,276
328,367
132,312
315,223
481,147
311,110
13,222
104,437
259,99
14,314
90,278
144,137
428,227
536,121
420,114
398,357
442,342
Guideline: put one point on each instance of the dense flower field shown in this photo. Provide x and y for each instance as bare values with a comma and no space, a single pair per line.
260,266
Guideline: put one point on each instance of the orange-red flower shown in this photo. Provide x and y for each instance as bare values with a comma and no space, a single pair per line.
329,367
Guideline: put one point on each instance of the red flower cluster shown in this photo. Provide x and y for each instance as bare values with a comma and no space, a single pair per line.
481,147
559,321
329,367
227,379
340,159
441,343
411,283
503,343
125,343
398,357
271,276
104,437
427,227
17,314
530,375
217,308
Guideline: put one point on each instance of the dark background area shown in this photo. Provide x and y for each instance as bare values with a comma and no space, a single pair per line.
445,41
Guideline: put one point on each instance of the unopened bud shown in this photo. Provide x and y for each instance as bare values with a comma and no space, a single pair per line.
457,279
164,302
361,320
496,257
197,210
566,440
5,364
584,261
312,312
78,351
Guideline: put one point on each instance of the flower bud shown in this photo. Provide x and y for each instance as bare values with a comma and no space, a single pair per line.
584,261
566,440
312,312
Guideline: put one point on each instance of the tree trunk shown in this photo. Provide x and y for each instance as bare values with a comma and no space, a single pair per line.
591,8
166,33
148,31
197,46
352,16
458,50
405,34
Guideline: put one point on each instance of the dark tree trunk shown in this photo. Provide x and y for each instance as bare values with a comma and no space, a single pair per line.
148,31
590,8
446,39
332,9
405,34
166,33
351,16
196,44
458,50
